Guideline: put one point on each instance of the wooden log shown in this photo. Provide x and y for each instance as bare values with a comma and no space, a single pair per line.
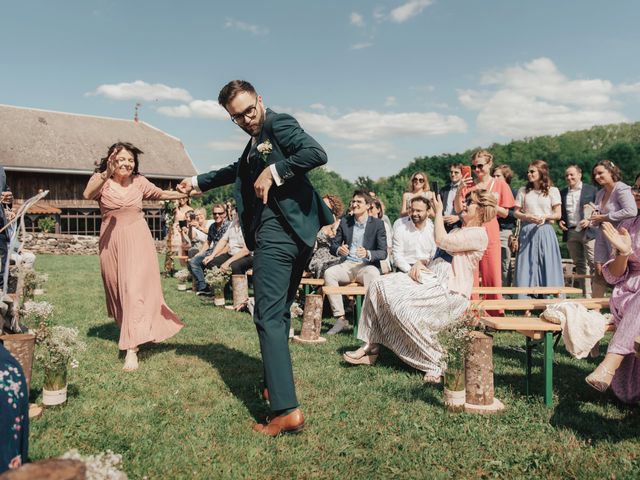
240,288
311,321
479,376
49,469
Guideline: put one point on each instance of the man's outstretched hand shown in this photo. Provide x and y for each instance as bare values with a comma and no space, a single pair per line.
185,186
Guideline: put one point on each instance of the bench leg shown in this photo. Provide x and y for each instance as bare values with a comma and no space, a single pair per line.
548,369
357,315
529,349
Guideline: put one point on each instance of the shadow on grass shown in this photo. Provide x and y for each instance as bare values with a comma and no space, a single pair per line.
241,373
105,331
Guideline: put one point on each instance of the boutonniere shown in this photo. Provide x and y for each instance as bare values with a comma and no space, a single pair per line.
264,149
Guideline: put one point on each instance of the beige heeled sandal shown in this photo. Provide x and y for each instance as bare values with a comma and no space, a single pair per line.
600,378
361,356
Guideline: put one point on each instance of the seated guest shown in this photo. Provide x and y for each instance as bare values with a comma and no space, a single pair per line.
577,234
406,312
413,236
14,413
376,209
198,230
322,257
361,242
231,252
216,230
448,193
620,368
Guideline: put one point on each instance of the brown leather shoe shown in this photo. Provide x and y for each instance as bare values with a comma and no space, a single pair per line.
290,423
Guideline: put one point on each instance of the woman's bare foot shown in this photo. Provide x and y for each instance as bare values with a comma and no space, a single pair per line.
131,360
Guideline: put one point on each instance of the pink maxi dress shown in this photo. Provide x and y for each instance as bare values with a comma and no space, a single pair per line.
129,266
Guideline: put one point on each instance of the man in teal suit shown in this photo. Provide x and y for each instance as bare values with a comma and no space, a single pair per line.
280,214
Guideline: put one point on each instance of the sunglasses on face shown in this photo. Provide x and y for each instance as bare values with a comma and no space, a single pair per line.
418,180
532,171
479,166
217,214
468,201
635,190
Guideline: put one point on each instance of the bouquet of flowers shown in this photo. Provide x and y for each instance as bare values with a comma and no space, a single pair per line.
103,466
181,275
35,314
57,346
217,277
456,340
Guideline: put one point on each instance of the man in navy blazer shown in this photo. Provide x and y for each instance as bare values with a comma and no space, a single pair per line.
576,230
361,241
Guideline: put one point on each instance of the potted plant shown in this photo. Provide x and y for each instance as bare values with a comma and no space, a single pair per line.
182,277
217,278
41,279
456,341
56,348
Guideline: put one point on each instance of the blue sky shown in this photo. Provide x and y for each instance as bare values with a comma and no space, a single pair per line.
377,83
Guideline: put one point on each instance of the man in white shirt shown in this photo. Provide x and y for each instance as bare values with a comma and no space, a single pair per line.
577,233
413,237
231,252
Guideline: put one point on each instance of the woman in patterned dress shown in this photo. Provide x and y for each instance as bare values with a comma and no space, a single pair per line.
128,259
620,368
405,312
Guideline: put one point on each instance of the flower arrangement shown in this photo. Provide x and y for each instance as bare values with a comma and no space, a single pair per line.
30,283
456,340
36,314
181,275
57,346
217,277
102,466
169,207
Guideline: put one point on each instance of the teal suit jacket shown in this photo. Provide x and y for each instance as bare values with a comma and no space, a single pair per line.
294,153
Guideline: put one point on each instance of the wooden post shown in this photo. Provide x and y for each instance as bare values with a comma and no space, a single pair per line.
311,321
50,468
479,376
240,289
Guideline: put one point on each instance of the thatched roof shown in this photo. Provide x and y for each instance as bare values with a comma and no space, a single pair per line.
56,142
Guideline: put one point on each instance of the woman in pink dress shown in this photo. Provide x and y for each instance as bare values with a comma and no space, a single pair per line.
128,258
405,312
620,368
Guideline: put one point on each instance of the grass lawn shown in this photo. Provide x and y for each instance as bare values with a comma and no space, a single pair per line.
188,411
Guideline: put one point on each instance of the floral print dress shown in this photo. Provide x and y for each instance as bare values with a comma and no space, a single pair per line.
14,413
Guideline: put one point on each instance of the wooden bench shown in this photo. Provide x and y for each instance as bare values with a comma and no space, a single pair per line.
353,289
527,291
535,331
310,285
516,304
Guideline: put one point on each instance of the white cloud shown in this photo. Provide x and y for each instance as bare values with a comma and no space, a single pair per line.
368,125
380,148
379,14
246,27
537,99
356,19
390,101
360,46
196,108
629,88
227,145
409,9
317,106
140,90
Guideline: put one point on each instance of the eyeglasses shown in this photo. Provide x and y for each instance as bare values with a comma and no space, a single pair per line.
217,214
479,166
418,180
635,190
250,113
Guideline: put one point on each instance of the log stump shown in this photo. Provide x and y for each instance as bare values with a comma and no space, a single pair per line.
240,288
49,469
311,321
479,376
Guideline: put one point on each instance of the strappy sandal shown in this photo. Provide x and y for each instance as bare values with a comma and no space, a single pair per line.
600,378
361,356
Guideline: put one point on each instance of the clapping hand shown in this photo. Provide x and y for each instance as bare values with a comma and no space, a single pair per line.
361,252
619,239
343,250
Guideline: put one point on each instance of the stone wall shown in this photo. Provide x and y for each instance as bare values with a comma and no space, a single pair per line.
60,244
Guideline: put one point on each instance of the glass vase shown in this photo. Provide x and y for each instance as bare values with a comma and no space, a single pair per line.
54,390
218,296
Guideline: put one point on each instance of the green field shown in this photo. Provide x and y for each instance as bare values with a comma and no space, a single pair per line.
188,411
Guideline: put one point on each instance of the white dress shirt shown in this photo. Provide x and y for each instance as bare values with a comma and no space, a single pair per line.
572,205
411,244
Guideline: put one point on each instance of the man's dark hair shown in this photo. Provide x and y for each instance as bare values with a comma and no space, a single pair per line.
421,198
233,88
457,165
361,193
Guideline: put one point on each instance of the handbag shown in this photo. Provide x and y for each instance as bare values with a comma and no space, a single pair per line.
513,241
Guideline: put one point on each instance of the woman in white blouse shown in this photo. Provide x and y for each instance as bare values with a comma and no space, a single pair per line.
538,262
